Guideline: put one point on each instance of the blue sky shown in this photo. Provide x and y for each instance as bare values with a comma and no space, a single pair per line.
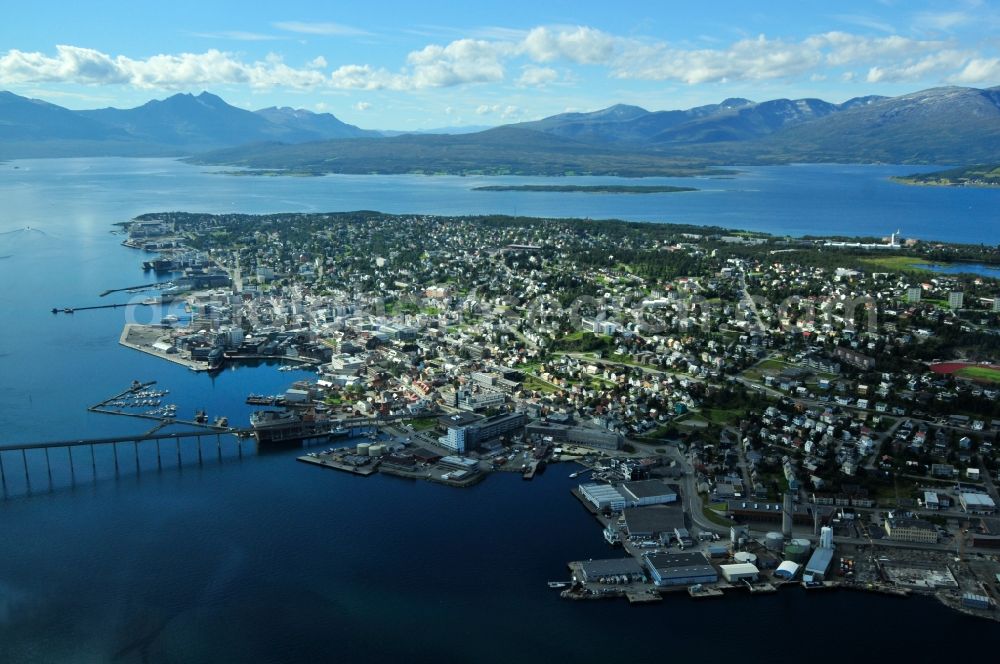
412,65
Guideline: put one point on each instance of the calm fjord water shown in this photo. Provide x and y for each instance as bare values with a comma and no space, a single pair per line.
265,559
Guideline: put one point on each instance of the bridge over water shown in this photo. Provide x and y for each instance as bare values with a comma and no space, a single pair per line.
88,455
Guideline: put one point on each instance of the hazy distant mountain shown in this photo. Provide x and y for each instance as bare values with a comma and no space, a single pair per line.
33,119
861,101
941,125
181,124
502,150
201,121
626,124
321,126
35,128
458,129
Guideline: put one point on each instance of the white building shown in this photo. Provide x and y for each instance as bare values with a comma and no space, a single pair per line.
455,440
956,299
602,496
739,572
826,538
977,503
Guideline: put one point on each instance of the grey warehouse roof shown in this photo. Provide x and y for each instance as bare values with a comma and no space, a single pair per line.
648,489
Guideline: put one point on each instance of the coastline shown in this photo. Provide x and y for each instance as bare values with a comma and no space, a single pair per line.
911,182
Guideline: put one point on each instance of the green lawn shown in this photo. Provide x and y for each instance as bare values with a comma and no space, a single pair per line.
665,431
722,416
538,385
422,423
897,263
714,516
982,374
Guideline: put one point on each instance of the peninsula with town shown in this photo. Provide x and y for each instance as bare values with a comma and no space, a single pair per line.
743,411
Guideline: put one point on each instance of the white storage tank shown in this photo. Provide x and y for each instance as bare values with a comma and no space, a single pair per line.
363,449
376,450
774,541
745,557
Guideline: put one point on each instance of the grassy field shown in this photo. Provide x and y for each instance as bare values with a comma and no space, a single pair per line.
714,516
423,423
756,372
897,263
982,374
722,416
533,383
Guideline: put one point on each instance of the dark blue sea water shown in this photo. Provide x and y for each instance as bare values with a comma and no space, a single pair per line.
266,559
964,268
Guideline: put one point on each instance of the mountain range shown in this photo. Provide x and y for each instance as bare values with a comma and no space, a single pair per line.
951,125
181,124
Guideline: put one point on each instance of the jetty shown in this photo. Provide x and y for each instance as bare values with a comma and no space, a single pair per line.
134,288
73,310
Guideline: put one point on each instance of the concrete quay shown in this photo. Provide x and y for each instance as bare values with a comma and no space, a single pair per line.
330,462
142,337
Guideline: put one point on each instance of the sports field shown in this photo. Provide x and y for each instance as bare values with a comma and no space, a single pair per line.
983,373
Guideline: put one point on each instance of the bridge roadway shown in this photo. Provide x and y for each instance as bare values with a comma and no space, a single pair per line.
244,432
122,439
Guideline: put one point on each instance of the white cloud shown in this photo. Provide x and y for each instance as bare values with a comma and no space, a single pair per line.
763,58
73,64
532,54
510,112
918,69
978,71
534,76
943,21
462,61
745,60
325,29
362,106
365,77
841,48
578,44
505,112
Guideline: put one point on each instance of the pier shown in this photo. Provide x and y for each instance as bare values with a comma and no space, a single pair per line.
73,310
135,288
104,407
